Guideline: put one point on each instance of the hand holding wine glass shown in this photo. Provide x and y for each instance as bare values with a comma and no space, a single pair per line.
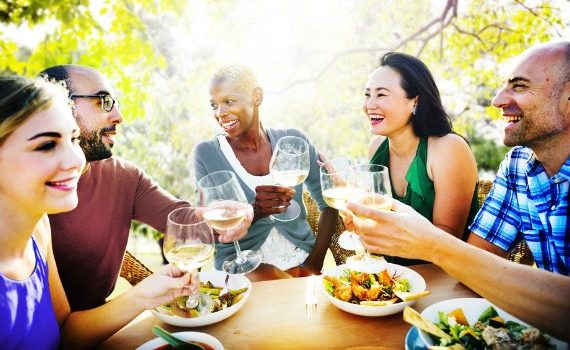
226,208
188,245
335,184
290,166
371,188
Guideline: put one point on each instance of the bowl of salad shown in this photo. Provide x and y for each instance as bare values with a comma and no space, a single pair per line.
475,323
372,294
224,304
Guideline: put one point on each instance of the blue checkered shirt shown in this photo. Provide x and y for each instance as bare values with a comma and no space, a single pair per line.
525,203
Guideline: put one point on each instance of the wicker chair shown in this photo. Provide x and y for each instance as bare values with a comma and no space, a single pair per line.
133,270
313,214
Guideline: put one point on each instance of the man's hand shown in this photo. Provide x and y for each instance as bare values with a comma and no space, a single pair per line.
271,199
401,232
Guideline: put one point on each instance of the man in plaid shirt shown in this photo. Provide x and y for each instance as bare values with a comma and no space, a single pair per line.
529,198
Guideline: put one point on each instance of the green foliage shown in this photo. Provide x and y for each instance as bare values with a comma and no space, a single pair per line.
488,153
109,35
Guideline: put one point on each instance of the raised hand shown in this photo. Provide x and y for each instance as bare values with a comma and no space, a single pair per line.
271,199
401,232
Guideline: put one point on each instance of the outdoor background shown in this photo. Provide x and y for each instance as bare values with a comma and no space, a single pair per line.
312,59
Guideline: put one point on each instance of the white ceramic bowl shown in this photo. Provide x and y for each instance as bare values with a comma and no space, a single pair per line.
417,283
188,336
472,308
217,278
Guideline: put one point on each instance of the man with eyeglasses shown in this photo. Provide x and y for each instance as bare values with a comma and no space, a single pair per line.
90,241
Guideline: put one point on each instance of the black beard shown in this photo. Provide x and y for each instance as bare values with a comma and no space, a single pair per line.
93,146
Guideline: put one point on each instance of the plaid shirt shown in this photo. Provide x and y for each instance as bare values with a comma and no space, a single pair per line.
525,203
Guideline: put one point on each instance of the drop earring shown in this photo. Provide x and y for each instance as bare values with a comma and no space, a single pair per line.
414,110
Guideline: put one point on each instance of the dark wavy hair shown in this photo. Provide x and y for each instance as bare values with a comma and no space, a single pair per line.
430,118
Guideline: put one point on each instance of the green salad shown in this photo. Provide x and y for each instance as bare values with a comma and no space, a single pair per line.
489,332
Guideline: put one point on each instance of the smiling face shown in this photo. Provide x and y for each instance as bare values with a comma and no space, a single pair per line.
235,109
98,127
532,98
41,161
385,102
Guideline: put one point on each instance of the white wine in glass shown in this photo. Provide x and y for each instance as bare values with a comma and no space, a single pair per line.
225,214
225,207
189,244
335,175
371,187
289,166
372,200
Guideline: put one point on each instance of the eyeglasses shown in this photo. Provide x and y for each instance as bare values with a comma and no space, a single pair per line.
107,102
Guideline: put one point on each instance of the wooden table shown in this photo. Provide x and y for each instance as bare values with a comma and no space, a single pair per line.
274,318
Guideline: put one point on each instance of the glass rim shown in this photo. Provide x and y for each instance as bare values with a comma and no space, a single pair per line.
330,161
382,168
199,221
304,143
232,176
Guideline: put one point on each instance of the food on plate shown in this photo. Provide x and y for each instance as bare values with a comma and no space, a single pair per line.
490,331
371,289
177,306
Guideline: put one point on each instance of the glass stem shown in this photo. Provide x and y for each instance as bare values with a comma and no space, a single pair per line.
240,259
193,299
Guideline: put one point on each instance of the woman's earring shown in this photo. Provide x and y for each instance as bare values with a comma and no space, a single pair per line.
414,110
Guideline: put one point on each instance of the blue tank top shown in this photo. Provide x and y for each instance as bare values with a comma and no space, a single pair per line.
27,319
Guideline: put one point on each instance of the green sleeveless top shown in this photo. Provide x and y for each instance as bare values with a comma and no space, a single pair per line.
420,193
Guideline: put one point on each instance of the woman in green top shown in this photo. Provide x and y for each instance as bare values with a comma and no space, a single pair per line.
432,169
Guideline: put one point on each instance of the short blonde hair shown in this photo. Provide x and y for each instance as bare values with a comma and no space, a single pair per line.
21,97
243,77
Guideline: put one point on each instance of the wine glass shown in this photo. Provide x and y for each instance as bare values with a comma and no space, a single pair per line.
225,208
370,187
335,184
335,175
289,167
189,244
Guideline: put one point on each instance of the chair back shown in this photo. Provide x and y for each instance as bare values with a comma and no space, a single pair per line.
520,253
313,214
133,270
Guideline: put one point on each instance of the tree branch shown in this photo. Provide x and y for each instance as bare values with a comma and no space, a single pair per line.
531,10
448,14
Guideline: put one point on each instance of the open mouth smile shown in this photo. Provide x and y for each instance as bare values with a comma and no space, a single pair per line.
64,184
229,124
512,118
375,118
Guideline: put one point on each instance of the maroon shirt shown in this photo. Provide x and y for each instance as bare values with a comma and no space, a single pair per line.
89,242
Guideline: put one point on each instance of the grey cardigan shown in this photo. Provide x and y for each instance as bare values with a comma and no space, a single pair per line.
208,158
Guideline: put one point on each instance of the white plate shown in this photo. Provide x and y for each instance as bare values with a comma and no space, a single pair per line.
417,283
192,336
217,278
472,308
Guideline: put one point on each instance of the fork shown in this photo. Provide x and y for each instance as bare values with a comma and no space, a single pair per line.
311,302
225,289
